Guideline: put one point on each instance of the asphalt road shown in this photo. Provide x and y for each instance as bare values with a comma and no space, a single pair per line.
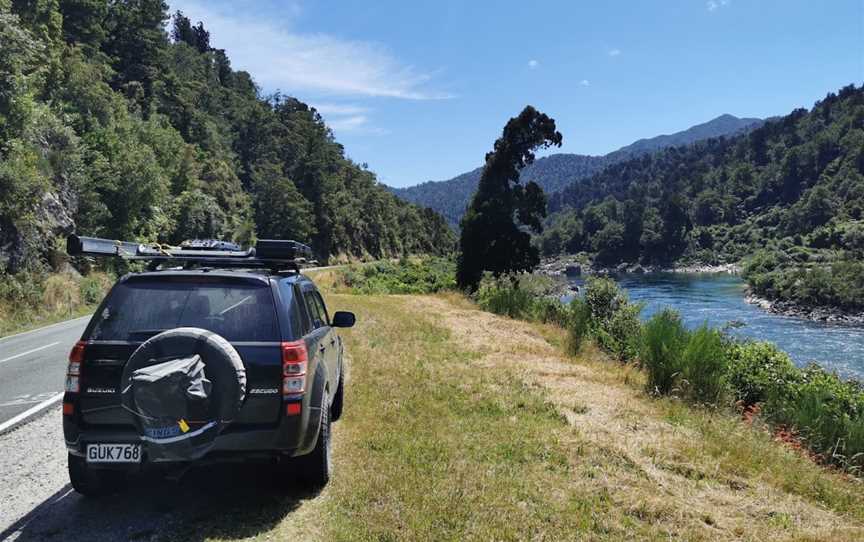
33,365
231,501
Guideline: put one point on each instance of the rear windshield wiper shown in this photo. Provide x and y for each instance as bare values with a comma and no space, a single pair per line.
145,332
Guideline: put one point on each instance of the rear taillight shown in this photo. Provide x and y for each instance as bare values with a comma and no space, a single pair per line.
294,359
73,370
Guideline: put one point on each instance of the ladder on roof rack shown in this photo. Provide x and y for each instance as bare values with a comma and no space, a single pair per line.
267,253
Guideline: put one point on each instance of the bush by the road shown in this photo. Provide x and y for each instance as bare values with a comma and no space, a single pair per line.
408,276
826,411
706,366
756,368
579,325
662,348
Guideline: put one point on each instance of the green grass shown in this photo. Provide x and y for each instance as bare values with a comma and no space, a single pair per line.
444,439
438,450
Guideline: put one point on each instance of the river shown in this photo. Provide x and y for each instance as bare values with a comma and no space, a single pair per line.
719,299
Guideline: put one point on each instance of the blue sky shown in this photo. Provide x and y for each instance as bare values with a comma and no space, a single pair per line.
420,90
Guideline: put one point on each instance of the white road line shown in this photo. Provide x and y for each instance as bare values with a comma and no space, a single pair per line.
45,327
16,356
30,412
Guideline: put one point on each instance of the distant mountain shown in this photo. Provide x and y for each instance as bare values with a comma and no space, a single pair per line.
555,172
724,125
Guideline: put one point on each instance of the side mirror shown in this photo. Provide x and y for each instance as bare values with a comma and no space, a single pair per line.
343,319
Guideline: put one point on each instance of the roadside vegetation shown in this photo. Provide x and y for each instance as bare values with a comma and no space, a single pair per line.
408,276
704,367
30,300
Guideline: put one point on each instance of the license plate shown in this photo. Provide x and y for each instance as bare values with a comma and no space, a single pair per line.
113,453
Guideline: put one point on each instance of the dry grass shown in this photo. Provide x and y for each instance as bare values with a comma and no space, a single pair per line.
462,425
41,300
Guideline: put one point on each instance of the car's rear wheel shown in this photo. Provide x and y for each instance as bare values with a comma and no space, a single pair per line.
92,482
315,468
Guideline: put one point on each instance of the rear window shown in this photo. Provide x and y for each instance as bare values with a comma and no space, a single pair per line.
139,309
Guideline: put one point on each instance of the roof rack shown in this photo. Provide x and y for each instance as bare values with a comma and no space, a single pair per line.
271,254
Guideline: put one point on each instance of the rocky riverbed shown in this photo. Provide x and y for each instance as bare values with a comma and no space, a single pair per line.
574,266
828,315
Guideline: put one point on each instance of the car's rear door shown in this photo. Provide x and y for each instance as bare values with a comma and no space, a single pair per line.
331,339
239,308
319,334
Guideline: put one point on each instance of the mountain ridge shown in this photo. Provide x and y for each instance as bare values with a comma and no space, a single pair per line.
555,172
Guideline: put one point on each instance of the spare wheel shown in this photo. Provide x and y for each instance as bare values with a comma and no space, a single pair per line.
183,387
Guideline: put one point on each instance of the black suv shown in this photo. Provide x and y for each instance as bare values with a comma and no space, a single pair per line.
276,322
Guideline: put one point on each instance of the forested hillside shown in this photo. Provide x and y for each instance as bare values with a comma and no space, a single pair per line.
557,171
112,125
794,186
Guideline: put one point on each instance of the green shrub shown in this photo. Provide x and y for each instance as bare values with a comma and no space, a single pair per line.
664,340
827,412
758,367
408,276
550,311
93,288
505,299
809,279
579,326
603,297
705,366
621,335
613,320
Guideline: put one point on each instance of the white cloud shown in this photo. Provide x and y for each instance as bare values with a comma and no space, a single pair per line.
339,109
585,83
533,64
342,118
714,5
348,124
614,52
281,57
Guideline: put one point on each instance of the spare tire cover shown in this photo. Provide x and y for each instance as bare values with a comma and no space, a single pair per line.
166,364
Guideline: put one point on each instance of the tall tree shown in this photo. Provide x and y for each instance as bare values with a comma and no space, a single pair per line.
137,44
494,236
84,22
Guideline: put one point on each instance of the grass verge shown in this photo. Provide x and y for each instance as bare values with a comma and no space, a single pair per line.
462,425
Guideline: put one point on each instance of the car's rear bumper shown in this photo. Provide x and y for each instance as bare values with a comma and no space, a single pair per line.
292,436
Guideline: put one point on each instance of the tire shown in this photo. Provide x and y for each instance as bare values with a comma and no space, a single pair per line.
94,482
339,398
315,468
225,370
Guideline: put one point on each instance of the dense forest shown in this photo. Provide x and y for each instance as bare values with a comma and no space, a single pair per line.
122,122
557,171
787,198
